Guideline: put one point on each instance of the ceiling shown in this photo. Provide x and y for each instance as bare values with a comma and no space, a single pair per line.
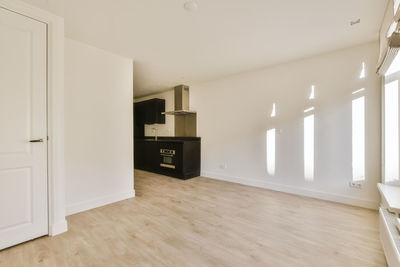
171,46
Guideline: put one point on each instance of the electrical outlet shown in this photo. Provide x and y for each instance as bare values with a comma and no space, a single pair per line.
357,185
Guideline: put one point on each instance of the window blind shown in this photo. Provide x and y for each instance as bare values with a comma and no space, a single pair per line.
389,37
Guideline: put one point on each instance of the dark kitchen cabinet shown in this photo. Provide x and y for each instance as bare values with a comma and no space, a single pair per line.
150,111
154,109
139,113
149,156
146,155
139,155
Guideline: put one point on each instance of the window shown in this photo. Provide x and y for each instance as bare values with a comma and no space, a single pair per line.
271,152
358,139
391,131
395,66
309,147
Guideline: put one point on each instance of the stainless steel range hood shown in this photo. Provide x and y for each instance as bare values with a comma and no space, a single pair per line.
181,101
185,120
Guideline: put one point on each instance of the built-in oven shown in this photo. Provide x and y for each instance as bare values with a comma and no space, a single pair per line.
168,158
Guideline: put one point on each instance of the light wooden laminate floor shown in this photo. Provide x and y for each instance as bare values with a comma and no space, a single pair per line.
204,222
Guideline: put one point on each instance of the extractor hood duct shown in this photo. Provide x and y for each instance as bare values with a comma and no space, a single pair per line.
181,101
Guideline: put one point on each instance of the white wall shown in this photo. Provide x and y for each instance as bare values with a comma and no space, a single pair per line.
167,129
98,127
233,117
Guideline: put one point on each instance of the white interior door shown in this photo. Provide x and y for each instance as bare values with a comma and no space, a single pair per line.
23,164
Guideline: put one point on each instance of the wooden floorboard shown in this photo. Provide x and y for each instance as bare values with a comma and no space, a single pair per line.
205,222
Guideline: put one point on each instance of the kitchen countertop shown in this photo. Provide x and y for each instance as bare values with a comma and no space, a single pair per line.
171,139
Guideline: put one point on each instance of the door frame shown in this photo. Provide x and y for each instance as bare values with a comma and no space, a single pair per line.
55,110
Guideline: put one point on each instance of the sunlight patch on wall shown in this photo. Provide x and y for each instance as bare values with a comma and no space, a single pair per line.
271,152
309,148
391,117
358,138
309,109
362,73
273,112
312,94
358,91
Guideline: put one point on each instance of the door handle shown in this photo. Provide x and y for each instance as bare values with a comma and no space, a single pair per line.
36,141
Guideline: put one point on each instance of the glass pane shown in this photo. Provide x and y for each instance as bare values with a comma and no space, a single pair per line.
271,152
358,138
391,131
309,148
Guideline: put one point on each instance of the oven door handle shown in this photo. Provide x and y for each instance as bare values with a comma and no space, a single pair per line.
167,166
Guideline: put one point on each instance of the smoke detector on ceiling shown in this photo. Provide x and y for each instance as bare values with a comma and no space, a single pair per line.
190,6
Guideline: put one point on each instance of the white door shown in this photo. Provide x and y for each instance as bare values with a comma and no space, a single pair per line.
23,164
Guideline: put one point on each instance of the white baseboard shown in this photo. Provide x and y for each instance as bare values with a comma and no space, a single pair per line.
58,228
98,202
365,203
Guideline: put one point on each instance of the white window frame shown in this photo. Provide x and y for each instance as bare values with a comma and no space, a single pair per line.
387,79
